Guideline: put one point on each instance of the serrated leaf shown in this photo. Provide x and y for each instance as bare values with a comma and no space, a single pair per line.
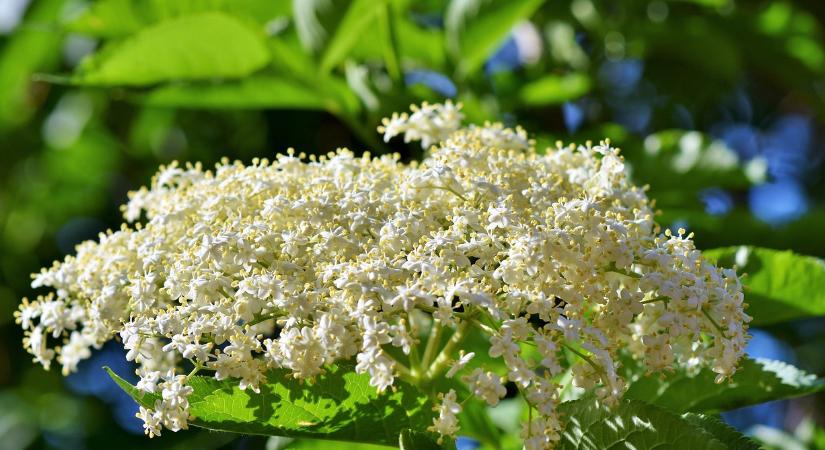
555,89
340,405
756,381
590,425
733,439
779,285
476,28
203,46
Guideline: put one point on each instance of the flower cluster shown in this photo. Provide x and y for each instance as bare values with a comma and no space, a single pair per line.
553,257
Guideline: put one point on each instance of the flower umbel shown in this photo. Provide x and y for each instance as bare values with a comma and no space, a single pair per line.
348,256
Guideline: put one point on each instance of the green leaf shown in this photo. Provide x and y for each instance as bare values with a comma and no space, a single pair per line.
632,424
756,381
554,89
340,405
476,28
723,432
120,18
417,440
779,285
359,15
204,46
250,93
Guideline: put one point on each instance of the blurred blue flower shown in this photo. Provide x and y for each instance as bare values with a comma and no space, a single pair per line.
778,202
621,77
741,138
91,379
786,146
506,58
635,116
436,81
717,201
466,443
573,116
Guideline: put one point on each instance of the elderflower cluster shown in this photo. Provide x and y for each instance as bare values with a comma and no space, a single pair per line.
298,263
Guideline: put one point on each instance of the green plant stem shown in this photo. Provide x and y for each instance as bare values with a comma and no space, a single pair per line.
660,298
445,355
432,343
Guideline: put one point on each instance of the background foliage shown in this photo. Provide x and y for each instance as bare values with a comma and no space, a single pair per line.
718,106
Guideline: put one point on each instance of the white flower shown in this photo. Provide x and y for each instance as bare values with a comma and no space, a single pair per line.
446,424
299,263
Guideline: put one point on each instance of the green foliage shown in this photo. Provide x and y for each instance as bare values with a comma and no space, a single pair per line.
475,28
340,405
756,381
554,89
780,285
202,46
632,424
721,431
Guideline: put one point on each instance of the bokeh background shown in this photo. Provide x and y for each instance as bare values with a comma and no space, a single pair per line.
718,105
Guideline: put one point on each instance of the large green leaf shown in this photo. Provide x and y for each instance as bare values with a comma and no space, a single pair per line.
203,46
756,381
632,424
257,92
340,405
723,432
779,285
476,28
120,18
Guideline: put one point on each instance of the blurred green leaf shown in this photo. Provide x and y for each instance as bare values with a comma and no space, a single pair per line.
203,46
476,28
779,285
360,15
33,48
554,89
756,381
250,93
632,424
733,439
120,18
339,405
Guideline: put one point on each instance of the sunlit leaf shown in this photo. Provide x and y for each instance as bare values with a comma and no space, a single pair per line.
756,381
204,46
632,424
723,432
339,405
779,285
119,18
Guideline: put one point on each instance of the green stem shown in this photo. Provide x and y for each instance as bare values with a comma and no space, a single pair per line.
587,359
713,321
445,355
660,298
432,343
387,22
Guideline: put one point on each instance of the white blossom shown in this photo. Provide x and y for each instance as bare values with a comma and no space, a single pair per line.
299,263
